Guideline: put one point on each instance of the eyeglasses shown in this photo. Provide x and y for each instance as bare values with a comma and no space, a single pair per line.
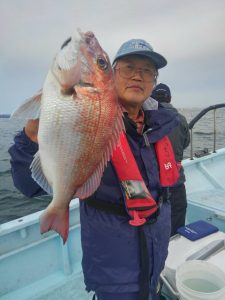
129,71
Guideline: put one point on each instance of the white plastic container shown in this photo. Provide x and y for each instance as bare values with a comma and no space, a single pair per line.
182,249
200,280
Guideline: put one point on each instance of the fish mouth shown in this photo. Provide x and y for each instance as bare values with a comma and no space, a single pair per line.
85,84
86,37
72,91
88,86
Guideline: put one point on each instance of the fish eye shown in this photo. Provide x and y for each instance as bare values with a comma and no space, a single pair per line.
102,63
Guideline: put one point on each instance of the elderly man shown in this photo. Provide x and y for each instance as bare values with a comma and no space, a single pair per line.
125,224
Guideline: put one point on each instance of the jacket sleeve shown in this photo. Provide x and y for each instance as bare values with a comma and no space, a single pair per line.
22,153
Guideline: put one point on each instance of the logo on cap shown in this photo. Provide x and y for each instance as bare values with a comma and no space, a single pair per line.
141,45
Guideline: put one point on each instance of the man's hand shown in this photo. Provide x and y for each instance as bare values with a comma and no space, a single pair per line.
31,130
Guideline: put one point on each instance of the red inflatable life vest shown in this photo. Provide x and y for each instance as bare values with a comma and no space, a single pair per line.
139,201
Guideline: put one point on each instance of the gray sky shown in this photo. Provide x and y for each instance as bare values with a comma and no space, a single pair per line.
190,34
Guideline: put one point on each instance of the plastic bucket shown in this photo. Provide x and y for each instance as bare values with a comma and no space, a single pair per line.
200,280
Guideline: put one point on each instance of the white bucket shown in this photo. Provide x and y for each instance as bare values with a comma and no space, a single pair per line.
200,280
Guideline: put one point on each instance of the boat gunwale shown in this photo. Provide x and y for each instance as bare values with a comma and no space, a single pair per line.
28,220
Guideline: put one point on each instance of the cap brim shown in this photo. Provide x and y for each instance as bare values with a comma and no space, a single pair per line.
158,60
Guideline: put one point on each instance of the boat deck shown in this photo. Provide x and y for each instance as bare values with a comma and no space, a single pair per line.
52,287
205,185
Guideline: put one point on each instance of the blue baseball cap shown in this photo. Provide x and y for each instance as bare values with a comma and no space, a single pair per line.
140,47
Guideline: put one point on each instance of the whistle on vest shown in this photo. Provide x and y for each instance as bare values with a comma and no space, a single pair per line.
139,202
137,221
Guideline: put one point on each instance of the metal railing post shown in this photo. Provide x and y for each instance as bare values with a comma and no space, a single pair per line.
191,156
198,117
214,131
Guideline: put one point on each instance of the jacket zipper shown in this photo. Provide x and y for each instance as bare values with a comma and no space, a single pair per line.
147,144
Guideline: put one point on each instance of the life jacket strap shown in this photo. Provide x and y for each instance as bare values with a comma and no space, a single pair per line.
139,202
119,209
107,207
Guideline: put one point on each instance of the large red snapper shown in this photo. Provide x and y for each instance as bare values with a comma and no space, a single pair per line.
79,126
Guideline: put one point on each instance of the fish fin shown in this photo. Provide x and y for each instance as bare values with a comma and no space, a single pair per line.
91,185
30,109
38,175
57,220
115,136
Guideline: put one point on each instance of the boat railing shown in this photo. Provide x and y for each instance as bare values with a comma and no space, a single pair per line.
198,117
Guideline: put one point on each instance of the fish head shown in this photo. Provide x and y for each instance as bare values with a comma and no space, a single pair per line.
82,63
95,63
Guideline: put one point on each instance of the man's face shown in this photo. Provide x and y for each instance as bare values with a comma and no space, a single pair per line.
135,89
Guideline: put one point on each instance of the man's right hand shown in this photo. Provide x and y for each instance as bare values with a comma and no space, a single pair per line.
31,129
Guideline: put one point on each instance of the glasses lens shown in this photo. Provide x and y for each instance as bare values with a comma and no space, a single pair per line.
148,75
128,72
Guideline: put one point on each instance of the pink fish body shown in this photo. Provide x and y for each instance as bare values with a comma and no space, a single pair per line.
79,127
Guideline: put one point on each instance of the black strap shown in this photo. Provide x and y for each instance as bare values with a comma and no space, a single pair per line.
108,207
93,298
166,193
144,266
119,209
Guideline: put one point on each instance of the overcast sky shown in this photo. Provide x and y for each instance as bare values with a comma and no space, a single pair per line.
190,34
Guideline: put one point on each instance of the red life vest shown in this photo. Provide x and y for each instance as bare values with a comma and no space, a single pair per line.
139,202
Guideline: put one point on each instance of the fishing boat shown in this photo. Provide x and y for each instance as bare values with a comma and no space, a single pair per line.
205,187
34,266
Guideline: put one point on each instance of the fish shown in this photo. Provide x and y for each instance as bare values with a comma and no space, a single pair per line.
80,122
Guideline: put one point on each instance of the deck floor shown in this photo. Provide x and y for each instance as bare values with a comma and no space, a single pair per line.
74,289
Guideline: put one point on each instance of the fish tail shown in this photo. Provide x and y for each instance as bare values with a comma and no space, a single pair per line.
57,220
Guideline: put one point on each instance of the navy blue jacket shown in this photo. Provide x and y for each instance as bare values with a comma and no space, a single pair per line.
111,254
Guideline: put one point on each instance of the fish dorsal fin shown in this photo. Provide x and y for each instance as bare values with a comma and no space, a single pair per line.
30,109
91,185
38,175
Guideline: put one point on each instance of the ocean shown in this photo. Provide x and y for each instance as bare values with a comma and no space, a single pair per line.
14,205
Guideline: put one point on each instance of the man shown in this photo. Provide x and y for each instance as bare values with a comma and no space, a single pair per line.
180,139
124,238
